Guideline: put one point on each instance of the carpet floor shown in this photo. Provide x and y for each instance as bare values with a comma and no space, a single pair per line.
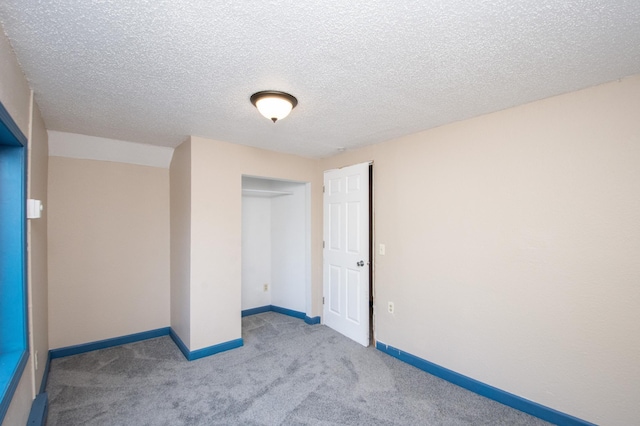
287,373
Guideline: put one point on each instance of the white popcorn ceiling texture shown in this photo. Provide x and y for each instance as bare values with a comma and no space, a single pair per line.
156,71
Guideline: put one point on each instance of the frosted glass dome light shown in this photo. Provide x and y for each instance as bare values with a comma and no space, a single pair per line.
274,105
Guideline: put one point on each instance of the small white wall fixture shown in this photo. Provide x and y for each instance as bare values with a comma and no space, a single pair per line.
34,209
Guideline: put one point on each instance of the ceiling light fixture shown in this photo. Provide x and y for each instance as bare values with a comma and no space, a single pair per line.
273,104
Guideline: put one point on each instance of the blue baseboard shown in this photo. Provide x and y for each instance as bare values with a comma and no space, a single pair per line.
506,398
107,343
39,410
211,350
311,321
117,341
284,311
204,352
254,311
180,344
290,312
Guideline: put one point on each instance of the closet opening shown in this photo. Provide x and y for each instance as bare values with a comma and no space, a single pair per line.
276,246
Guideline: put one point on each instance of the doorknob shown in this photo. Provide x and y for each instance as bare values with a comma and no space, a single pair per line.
361,263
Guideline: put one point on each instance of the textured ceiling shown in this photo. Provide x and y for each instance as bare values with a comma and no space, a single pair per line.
155,71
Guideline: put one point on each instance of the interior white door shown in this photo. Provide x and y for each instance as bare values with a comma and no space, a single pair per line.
346,251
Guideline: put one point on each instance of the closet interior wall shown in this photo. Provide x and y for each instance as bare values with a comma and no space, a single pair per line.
275,244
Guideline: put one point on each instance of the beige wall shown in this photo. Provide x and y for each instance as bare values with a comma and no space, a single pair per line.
14,89
108,250
512,247
216,219
180,176
37,246
16,97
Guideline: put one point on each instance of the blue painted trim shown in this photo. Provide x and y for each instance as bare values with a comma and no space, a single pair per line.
204,352
39,410
311,321
45,374
107,343
10,130
13,384
506,398
290,312
254,311
180,344
14,321
211,350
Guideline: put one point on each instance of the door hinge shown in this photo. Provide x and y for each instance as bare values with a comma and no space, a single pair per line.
323,300
323,189
323,244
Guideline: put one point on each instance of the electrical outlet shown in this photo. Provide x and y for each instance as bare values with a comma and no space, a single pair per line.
390,307
382,249
265,287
